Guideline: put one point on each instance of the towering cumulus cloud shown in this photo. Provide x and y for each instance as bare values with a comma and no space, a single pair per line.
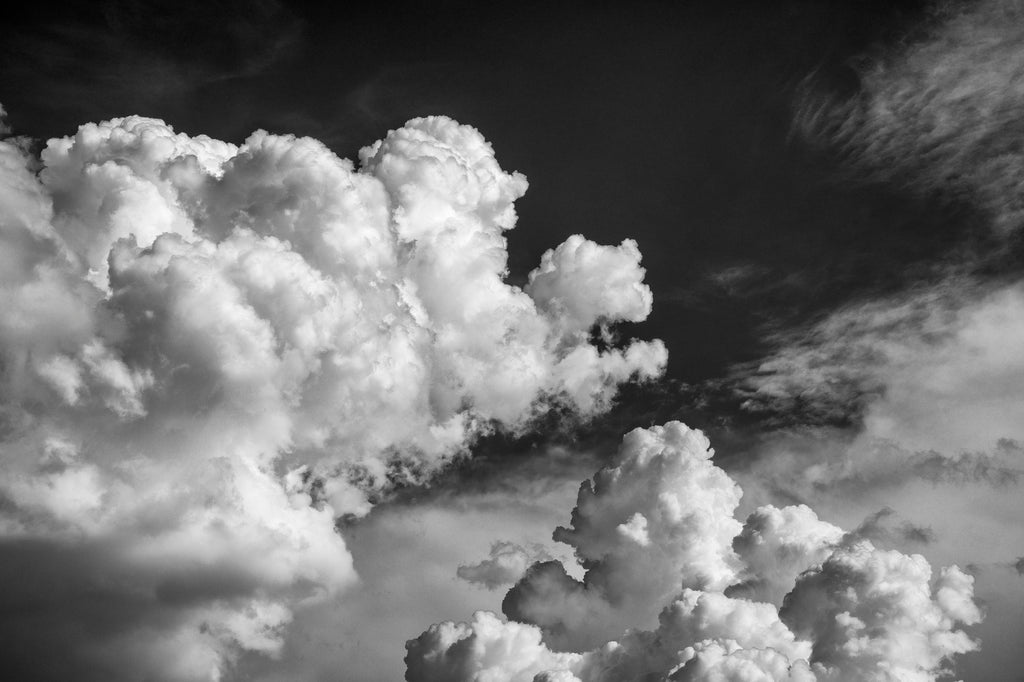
660,520
211,352
676,589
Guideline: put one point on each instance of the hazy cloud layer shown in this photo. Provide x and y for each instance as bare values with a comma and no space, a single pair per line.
209,352
850,611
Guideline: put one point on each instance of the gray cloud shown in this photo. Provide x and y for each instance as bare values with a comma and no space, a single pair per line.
661,519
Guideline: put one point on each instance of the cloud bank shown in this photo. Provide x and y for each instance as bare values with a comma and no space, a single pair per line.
209,352
784,596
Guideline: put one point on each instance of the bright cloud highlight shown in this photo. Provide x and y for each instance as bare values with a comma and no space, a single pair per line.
785,596
211,352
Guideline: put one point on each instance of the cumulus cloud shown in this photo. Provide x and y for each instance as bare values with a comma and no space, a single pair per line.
914,404
940,111
876,614
714,661
209,352
834,368
785,596
660,520
913,393
582,282
506,564
776,546
485,648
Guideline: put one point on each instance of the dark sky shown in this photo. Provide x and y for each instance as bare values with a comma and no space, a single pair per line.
666,122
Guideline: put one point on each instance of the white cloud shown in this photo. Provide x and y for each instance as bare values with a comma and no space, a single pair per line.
660,520
932,380
776,546
485,648
850,612
209,352
581,283
712,661
931,374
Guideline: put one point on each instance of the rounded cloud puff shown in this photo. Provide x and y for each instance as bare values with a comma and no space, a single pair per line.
849,611
582,283
877,615
661,520
776,546
209,352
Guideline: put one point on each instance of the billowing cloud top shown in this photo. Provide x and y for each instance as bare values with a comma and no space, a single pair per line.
656,532
209,352
660,520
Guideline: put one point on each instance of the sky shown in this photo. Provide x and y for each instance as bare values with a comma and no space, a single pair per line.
546,342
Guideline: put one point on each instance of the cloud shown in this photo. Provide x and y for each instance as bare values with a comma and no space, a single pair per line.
939,111
927,382
171,581
610,276
877,528
362,631
506,565
660,520
872,615
928,372
929,377
503,651
850,611
730,663
910,399
210,352
776,546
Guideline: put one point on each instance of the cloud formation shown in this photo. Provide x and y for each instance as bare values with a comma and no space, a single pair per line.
911,398
506,565
929,378
785,596
660,520
939,113
209,352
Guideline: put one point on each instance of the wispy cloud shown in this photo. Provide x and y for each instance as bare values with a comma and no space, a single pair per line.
940,113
